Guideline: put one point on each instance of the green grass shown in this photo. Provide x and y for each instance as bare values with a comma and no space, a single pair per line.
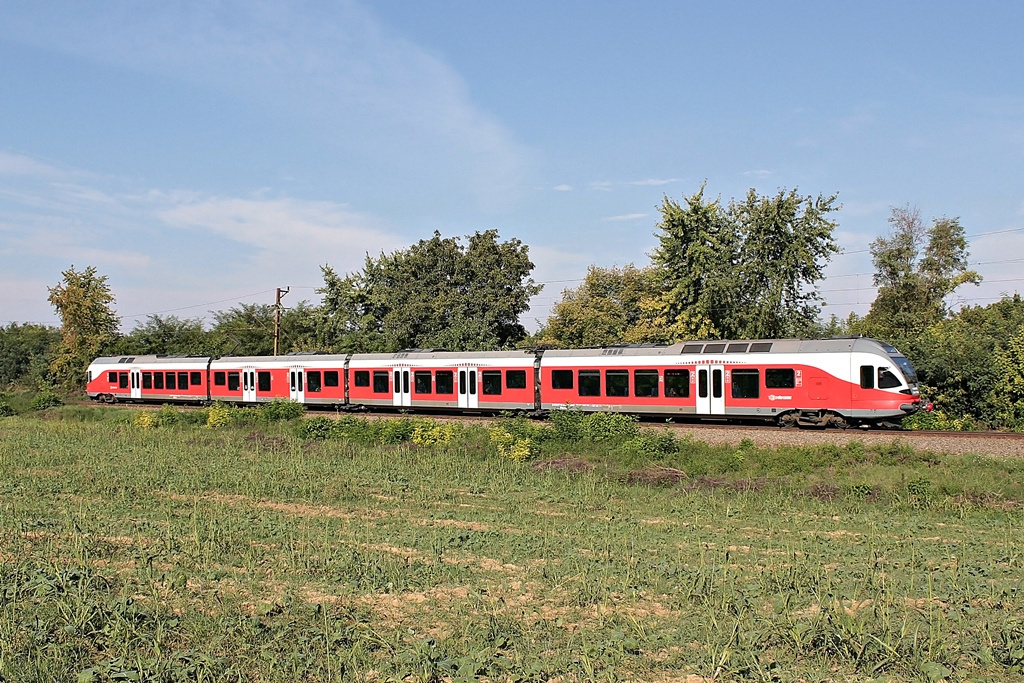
181,552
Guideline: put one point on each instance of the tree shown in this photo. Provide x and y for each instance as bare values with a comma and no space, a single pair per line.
25,352
437,293
1008,392
607,308
89,325
248,330
916,268
170,335
747,271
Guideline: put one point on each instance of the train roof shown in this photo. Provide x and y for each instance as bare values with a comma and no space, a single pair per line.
735,346
149,359
441,354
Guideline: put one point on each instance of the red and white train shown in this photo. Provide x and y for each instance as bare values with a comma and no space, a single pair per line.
838,381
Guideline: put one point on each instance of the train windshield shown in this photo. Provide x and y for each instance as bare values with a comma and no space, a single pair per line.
907,368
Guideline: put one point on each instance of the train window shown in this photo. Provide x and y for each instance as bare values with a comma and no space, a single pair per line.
561,379
158,380
645,383
702,383
677,383
867,377
746,383
444,382
515,379
887,380
219,379
331,378
233,381
736,348
616,382
183,380
112,377
716,383
313,383
422,383
362,378
692,348
171,382
147,380
472,382
590,383
714,348
760,347
380,382
195,378
779,378
491,381
122,380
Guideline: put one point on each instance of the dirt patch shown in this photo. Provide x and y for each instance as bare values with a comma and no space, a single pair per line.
574,465
456,523
656,476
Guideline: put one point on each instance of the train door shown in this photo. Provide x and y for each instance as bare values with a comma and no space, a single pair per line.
468,397
402,390
710,389
135,379
249,384
296,384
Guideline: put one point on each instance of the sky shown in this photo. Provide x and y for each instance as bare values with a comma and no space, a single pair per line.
202,154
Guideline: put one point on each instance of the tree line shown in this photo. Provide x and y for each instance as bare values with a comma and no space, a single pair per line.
748,268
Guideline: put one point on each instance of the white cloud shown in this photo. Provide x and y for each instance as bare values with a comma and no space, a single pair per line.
20,165
602,185
563,188
655,181
760,173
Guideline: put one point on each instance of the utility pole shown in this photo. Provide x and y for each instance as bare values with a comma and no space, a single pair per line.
277,317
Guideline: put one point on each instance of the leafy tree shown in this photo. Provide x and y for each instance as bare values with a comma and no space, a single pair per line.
745,271
83,301
916,268
170,335
607,308
25,352
437,293
1008,392
248,330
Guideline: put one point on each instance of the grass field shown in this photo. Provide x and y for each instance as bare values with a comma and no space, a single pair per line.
245,553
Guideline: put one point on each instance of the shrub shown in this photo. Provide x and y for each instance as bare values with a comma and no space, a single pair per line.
571,424
517,449
219,415
651,443
145,420
281,411
315,429
5,409
429,433
46,399
938,420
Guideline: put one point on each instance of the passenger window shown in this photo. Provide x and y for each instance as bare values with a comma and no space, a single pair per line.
515,379
716,384
702,383
122,380
158,380
590,383
362,378
645,383
444,382
233,381
147,380
491,381
331,378
677,383
219,379
263,380
313,381
112,377
183,380
472,382
172,383
616,382
380,382
867,377
887,380
422,382
561,379
779,378
746,383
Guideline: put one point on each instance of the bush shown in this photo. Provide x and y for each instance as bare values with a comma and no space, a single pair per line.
938,420
6,410
281,411
145,420
219,415
651,443
315,429
517,449
429,433
46,399
571,424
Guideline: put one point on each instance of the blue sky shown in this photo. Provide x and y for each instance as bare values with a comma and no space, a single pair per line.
201,154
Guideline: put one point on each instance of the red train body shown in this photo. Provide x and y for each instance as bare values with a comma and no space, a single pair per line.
839,381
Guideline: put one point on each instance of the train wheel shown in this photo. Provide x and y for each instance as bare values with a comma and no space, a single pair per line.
787,420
